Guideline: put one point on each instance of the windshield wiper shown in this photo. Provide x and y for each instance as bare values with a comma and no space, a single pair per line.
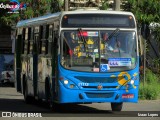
113,34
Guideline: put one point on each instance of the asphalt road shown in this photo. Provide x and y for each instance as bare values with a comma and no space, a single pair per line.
11,101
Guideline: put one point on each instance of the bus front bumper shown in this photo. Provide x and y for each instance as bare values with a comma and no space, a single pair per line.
66,95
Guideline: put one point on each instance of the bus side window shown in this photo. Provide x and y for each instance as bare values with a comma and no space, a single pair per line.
23,40
30,41
55,34
54,43
44,40
26,41
36,37
50,36
29,34
40,39
19,42
56,39
36,40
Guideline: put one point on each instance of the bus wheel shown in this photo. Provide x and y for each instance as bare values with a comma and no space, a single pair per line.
116,106
27,99
50,101
56,107
53,105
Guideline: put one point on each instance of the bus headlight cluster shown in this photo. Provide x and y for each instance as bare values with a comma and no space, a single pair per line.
69,84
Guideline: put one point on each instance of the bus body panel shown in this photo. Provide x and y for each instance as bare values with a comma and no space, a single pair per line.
44,74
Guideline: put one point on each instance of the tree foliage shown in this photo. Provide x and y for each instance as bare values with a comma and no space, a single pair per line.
56,5
34,8
105,5
146,11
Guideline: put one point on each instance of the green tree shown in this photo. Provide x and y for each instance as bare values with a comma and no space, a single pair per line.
34,8
105,5
146,11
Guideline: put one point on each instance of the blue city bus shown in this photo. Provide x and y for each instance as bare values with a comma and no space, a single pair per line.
82,56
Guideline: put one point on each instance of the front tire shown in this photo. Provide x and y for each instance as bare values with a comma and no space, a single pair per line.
116,106
53,105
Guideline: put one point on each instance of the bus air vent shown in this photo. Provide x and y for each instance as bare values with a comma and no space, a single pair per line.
99,95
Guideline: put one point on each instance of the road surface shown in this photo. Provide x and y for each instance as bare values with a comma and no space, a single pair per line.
11,101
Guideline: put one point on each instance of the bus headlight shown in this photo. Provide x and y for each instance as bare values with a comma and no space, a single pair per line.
65,82
132,82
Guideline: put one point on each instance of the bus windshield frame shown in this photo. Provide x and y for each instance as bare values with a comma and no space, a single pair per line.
77,58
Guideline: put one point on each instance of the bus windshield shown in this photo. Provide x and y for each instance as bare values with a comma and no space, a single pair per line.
98,51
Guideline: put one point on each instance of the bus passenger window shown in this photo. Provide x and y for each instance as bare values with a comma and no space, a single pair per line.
50,39
23,40
30,46
40,40
47,39
35,46
30,41
29,38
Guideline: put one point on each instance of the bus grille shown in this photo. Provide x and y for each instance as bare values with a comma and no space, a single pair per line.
104,87
99,95
97,79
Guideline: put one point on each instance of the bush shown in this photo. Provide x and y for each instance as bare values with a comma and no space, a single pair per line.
149,92
151,88
151,77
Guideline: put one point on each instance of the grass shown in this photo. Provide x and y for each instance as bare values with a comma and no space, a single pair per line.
151,88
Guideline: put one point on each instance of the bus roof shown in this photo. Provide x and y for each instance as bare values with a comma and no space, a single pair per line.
40,19
49,18
96,11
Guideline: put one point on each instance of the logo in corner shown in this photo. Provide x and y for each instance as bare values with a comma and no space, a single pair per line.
16,5
13,6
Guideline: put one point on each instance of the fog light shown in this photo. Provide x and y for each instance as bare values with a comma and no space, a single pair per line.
66,82
132,81
71,85
80,96
117,96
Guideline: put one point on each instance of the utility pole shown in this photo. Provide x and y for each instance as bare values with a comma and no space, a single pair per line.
66,2
144,63
117,5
